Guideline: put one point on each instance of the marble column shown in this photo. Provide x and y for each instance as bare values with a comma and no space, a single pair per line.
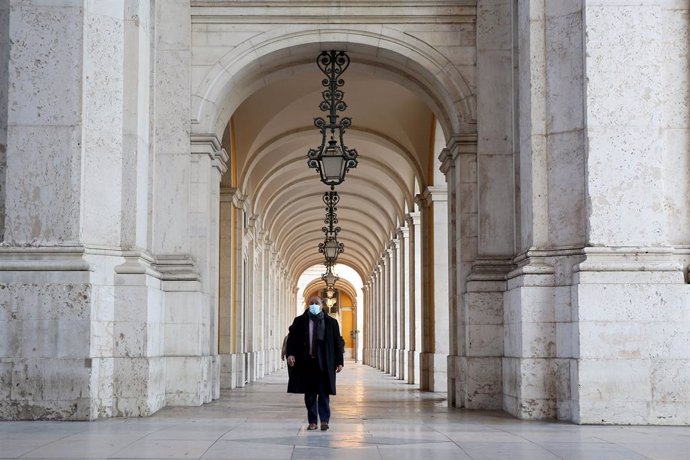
390,310
631,282
399,276
381,320
415,295
68,148
436,314
406,315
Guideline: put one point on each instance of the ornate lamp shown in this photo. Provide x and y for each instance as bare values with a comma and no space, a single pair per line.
332,159
331,248
329,278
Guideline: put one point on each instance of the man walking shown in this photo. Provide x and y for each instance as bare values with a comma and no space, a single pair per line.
314,354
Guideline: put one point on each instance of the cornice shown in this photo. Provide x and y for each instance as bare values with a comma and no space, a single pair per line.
334,12
208,144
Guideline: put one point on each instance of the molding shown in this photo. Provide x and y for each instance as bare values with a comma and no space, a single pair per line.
176,267
413,218
329,12
208,144
54,258
627,259
490,269
446,160
459,144
433,194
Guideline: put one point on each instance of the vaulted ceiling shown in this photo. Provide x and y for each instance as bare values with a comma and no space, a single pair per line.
272,130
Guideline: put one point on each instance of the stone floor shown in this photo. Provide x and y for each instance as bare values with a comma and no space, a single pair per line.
374,417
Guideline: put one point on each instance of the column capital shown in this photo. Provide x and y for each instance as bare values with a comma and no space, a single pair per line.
238,198
403,232
461,143
447,162
208,144
413,218
435,193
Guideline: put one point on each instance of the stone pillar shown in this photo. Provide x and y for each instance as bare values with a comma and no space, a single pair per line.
400,304
395,306
239,345
193,369
225,286
259,306
4,90
631,282
436,314
381,320
415,295
372,321
407,317
67,220
480,175
389,318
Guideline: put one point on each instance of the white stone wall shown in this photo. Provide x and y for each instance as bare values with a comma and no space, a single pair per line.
631,301
4,87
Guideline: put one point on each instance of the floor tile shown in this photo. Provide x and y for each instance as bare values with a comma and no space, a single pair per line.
151,448
428,451
232,450
358,453
373,417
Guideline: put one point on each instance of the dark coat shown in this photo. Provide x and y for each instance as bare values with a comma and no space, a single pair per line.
298,346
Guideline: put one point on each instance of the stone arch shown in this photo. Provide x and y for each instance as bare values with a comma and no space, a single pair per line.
253,63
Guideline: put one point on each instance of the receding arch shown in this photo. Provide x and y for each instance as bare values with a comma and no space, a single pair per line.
434,78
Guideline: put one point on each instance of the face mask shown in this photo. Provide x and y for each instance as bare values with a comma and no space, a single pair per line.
314,308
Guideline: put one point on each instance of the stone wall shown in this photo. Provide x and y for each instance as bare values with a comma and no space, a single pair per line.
631,301
4,87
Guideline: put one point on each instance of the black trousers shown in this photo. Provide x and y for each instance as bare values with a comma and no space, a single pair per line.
316,398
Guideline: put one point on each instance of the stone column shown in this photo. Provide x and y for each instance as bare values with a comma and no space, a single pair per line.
4,90
259,306
372,321
389,324
376,330
239,308
400,304
415,295
631,282
225,286
407,317
436,314
481,238
67,145
395,305
365,329
380,320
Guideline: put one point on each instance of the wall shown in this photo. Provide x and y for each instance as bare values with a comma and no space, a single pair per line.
631,301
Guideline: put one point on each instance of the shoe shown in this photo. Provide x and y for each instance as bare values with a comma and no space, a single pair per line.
324,426
312,426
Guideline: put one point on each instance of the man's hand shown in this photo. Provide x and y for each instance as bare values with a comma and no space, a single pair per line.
338,369
291,361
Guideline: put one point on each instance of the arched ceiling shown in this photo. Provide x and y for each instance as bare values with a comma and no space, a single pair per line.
393,132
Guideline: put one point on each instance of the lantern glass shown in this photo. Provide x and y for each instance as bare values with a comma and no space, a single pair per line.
331,249
333,164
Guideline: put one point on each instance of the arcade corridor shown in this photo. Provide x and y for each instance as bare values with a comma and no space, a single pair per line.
374,417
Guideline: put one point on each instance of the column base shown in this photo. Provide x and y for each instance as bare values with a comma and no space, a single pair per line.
188,380
402,364
434,375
